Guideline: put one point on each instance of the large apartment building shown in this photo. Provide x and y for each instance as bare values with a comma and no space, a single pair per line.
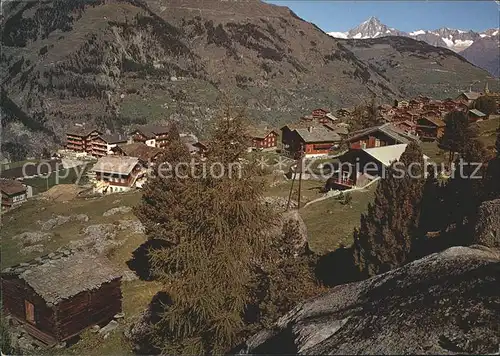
81,139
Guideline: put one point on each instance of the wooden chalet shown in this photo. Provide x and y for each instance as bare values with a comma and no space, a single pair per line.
430,128
416,104
320,116
81,139
401,103
146,155
341,128
468,98
407,126
59,295
116,173
113,141
476,115
319,113
262,137
377,136
313,141
358,167
13,193
343,112
151,135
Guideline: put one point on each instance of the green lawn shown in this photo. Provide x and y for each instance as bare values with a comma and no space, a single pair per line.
136,294
311,189
490,125
64,176
330,224
26,216
435,154
5,166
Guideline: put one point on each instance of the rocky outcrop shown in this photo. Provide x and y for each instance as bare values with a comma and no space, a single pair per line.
445,303
488,224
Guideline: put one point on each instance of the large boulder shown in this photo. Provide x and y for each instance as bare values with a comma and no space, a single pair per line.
294,232
445,303
488,224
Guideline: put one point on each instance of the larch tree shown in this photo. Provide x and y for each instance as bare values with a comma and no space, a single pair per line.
431,211
388,229
457,133
215,227
492,176
486,104
365,116
464,190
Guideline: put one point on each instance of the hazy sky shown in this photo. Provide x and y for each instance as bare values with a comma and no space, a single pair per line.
403,15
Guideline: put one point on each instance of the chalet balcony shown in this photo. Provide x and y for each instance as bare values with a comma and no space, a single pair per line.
339,183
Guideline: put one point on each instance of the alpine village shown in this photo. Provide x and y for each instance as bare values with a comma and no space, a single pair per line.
188,177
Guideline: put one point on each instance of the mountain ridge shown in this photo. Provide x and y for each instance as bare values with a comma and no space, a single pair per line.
115,64
455,39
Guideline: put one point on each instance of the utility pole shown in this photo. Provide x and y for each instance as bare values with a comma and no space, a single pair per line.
298,166
291,190
301,164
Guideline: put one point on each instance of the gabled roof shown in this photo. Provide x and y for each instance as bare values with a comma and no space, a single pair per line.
435,120
81,130
322,109
318,134
301,124
471,95
116,164
340,129
388,129
59,276
140,150
388,154
11,186
114,138
332,117
258,132
477,113
150,131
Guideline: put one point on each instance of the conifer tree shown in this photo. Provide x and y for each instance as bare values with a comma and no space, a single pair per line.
492,176
457,133
387,231
497,143
464,190
486,104
164,188
431,211
365,116
215,226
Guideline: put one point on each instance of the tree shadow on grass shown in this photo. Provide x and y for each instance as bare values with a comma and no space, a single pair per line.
139,263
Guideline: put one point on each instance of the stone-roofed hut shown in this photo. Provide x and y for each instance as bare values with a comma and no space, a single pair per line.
59,295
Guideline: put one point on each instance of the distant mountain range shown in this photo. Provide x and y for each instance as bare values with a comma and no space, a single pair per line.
480,48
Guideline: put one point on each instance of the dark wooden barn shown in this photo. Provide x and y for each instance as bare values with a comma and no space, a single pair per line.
59,295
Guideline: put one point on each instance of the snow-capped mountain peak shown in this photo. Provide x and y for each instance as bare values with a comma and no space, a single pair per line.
371,28
454,39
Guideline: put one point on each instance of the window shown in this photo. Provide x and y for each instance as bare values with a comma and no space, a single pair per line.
30,312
